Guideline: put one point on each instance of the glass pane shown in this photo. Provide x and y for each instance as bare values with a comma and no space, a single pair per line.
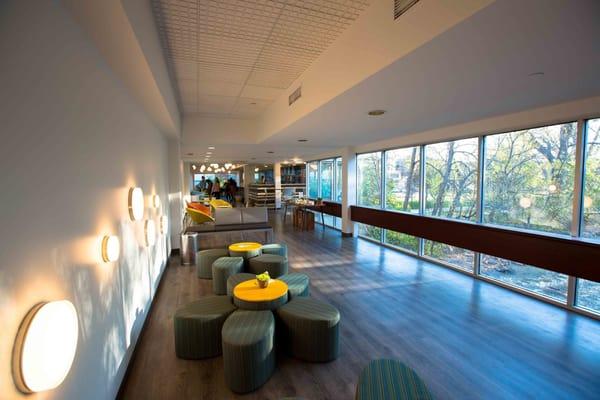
369,231
451,179
529,177
402,179
369,179
588,295
402,240
591,195
456,256
313,179
537,280
338,180
338,222
328,219
326,179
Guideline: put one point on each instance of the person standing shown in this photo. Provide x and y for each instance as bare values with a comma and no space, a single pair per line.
216,188
202,184
209,186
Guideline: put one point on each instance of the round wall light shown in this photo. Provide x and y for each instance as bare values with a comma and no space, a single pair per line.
164,224
45,346
150,232
136,203
111,248
156,201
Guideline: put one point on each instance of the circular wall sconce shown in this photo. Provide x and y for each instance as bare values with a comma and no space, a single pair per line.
111,248
164,224
136,203
150,232
45,346
156,201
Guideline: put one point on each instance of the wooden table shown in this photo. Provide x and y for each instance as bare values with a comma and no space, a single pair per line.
300,215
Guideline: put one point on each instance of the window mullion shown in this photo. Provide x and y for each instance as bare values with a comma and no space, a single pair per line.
422,198
479,197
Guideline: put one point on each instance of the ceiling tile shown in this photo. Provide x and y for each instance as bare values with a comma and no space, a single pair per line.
261,92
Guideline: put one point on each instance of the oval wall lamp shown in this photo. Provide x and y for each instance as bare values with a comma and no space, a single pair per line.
150,232
164,224
156,201
111,248
136,203
45,346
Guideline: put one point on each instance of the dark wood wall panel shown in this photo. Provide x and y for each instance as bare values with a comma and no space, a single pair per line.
575,257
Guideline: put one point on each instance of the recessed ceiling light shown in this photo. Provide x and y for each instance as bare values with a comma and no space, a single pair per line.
209,152
303,140
537,73
376,112
211,147
270,152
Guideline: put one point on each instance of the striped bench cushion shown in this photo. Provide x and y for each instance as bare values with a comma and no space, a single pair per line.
390,379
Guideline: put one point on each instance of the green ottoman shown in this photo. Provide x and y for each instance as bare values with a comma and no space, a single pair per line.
310,329
248,349
233,280
390,379
279,249
276,265
198,327
222,269
205,260
298,284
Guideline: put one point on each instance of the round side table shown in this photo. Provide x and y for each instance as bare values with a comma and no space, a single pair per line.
249,296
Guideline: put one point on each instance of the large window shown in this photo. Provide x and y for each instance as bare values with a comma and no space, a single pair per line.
588,295
529,176
401,240
313,179
338,180
591,192
369,179
402,177
537,280
371,232
452,255
451,179
326,174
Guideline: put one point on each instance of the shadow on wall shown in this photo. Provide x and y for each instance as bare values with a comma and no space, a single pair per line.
103,354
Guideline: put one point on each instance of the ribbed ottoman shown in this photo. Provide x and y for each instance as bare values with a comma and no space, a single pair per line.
279,249
310,329
276,265
233,280
298,284
248,349
198,327
222,269
205,260
390,379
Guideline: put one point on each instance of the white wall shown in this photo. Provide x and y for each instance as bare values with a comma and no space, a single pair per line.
72,142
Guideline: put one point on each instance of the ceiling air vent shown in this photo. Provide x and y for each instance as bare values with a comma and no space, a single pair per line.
402,6
296,94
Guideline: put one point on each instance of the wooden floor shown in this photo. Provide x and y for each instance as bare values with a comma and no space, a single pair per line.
466,338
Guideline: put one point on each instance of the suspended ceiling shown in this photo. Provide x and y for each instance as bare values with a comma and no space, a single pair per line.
233,58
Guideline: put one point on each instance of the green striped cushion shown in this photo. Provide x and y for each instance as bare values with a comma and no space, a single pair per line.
298,284
205,259
198,327
279,249
390,379
222,269
234,280
276,265
260,305
248,349
310,329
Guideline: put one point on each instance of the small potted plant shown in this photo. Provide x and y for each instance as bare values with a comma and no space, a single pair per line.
263,279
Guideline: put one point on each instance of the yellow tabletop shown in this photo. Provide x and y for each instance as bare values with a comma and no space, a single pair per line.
250,291
245,246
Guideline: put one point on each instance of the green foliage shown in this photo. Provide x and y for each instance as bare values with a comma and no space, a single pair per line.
264,277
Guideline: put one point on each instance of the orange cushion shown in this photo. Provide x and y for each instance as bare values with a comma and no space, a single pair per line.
199,207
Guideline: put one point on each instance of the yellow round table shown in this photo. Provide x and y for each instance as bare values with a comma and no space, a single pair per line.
245,246
249,296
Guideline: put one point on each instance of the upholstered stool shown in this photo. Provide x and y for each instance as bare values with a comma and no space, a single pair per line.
276,265
298,284
222,269
248,349
198,327
390,379
233,280
205,260
279,249
310,329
